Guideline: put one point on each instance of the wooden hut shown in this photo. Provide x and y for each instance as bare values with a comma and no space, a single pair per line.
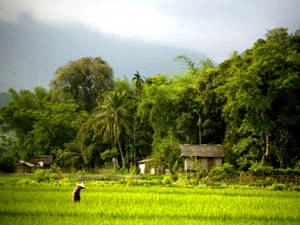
42,161
210,156
24,167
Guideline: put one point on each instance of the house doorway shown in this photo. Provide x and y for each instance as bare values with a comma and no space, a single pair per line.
210,163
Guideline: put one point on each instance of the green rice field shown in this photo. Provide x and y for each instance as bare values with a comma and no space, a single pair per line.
115,203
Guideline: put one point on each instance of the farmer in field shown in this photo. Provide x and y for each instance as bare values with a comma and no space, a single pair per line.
76,192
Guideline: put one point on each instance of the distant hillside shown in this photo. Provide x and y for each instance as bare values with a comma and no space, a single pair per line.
5,98
31,53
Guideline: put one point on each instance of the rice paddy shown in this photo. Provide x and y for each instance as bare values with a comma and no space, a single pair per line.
115,203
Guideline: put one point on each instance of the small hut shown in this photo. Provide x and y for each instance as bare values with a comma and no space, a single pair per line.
24,167
210,156
144,166
42,161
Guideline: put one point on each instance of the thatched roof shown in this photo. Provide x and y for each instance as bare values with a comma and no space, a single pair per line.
46,159
204,150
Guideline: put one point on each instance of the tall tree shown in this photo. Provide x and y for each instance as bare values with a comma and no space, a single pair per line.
261,89
137,78
188,110
212,123
18,113
52,128
82,80
206,114
157,105
41,125
113,118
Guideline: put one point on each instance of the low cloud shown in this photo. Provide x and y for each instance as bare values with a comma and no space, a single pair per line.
211,26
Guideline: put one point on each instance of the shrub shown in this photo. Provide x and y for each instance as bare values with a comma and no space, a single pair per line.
260,170
263,182
7,164
278,187
263,170
292,172
224,172
43,175
129,180
167,179
166,152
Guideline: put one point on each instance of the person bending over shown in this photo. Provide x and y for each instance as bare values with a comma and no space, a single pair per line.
76,192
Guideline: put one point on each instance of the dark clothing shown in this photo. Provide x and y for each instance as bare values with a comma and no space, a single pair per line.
76,194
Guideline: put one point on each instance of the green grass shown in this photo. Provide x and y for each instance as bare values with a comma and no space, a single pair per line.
114,203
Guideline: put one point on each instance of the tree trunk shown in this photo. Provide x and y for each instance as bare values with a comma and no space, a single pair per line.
200,134
266,154
121,153
267,145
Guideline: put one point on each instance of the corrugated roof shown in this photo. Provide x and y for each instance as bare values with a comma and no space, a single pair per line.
145,160
204,150
24,163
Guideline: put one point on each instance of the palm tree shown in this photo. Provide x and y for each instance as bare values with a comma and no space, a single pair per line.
113,118
138,82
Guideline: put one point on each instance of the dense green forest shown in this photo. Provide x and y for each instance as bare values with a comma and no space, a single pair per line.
249,103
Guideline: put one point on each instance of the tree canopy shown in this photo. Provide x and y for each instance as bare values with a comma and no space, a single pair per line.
82,80
249,103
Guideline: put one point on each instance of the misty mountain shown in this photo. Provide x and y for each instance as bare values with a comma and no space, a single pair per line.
31,53
5,98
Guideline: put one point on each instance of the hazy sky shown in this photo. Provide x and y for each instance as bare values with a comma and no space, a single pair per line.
214,27
39,36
